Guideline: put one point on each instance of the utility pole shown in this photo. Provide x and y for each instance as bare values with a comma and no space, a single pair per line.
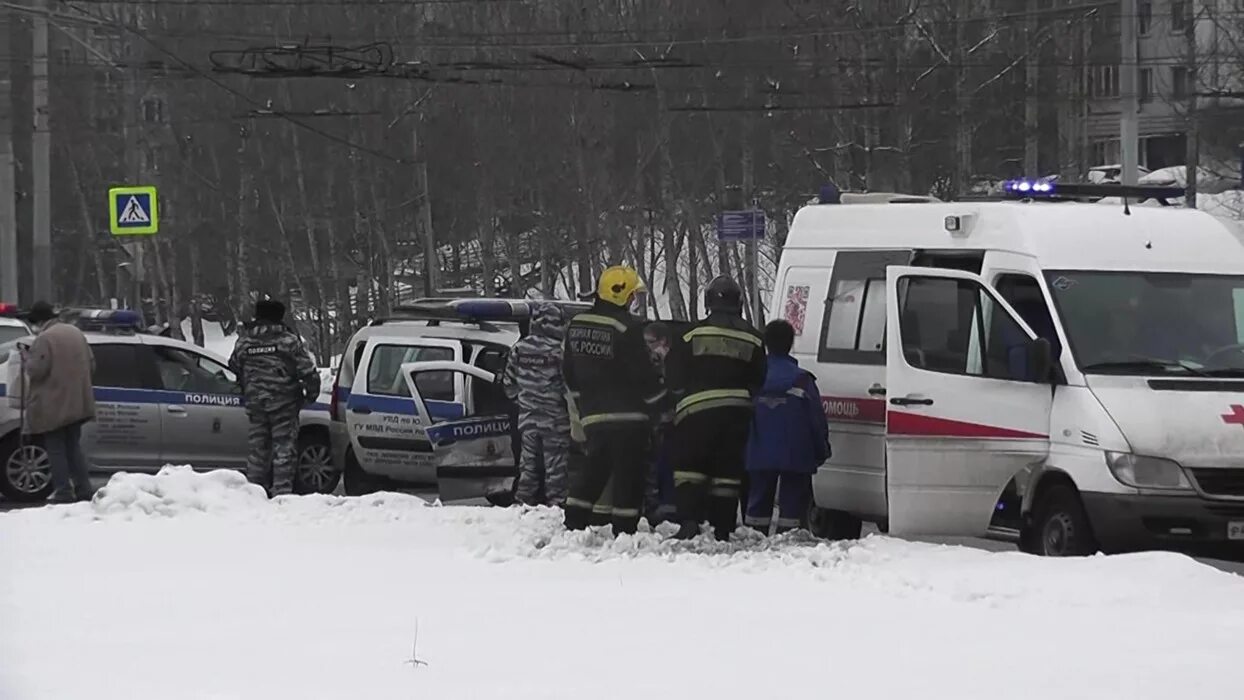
1032,113
42,159
424,219
1192,163
8,175
1129,99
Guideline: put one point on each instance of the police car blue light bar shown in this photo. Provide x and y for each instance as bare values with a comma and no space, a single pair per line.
120,319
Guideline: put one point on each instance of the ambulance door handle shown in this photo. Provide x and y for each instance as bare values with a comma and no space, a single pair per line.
910,401
177,410
876,390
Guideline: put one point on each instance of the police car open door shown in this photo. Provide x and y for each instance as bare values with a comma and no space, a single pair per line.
968,400
472,452
386,424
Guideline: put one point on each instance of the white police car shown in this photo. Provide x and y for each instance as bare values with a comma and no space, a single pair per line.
158,401
11,327
417,400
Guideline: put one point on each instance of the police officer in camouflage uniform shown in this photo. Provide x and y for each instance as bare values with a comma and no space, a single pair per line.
277,377
533,378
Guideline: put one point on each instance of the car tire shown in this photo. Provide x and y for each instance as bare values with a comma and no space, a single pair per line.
357,481
1061,527
25,472
316,471
834,524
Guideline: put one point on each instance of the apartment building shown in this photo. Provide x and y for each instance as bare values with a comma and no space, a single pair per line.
1167,82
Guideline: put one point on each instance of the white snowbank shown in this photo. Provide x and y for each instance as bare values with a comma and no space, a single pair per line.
188,585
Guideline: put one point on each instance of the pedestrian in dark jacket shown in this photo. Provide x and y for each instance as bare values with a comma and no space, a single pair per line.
277,377
789,438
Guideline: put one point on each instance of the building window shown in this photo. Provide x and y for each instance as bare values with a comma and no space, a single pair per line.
153,110
1106,152
1104,81
1179,82
1146,85
1180,19
1144,17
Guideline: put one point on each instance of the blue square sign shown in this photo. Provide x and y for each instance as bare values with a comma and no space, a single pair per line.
748,225
133,211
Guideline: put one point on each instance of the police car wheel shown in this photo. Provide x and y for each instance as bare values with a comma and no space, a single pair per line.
316,473
357,481
834,524
1061,526
26,474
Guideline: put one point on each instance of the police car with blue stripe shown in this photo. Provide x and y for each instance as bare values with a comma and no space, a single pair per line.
418,402
158,401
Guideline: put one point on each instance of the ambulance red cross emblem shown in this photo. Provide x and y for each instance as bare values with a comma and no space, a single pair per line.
1235,417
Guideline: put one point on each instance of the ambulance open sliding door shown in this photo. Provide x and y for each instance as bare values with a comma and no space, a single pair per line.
968,400
388,428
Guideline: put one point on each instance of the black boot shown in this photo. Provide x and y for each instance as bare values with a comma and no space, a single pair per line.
688,530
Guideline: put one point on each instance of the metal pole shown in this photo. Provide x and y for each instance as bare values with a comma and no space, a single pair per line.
1129,99
8,177
1192,162
42,159
757,306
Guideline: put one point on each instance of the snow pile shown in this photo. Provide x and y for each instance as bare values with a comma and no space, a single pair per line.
384,598
178,490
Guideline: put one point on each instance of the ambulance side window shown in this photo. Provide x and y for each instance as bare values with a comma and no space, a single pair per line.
956,327
853,329
1024,294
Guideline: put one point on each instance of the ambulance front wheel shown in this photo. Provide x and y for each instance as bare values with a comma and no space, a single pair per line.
834,524
25,472
1060,527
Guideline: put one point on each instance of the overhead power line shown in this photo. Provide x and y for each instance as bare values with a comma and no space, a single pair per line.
241,95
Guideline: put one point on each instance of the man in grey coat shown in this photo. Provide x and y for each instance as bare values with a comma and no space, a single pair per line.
59,399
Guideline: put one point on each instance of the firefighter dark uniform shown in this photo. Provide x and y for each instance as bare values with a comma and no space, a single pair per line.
714,370
614,387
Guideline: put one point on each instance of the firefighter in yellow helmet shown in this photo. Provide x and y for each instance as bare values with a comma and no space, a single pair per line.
616,389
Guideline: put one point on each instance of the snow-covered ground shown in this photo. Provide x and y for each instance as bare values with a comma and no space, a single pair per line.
187,586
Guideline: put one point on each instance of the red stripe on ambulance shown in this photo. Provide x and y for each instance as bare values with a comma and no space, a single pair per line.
912,425
843,409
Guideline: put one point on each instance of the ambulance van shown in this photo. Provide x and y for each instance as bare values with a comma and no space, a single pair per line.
1087,358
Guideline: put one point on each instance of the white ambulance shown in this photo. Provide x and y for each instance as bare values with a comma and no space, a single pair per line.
1086,357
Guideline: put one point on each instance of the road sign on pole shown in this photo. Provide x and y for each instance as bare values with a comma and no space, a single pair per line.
748,225
133,211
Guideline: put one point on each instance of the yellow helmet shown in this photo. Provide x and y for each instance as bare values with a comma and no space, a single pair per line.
619,284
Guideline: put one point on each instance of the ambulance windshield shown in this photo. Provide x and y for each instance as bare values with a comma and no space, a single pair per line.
1152,323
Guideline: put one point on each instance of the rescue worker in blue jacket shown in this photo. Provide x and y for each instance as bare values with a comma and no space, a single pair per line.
714,370
615,388
789,438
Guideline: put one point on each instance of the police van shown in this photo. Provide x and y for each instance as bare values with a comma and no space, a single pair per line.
418,399
1067,346
158,401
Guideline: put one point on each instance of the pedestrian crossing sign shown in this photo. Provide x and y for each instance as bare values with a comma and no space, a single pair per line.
133,211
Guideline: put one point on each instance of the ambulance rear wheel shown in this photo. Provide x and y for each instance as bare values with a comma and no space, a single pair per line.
834,524
25,471
1061,527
